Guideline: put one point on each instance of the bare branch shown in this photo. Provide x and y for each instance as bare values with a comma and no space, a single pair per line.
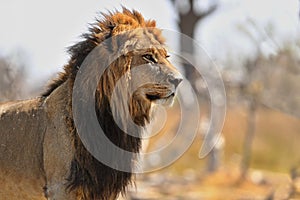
207,12
191,4
193,14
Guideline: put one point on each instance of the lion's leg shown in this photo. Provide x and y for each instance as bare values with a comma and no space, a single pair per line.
58,155
58,191
56,186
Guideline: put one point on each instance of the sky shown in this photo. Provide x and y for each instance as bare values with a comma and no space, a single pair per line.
44,29
225,30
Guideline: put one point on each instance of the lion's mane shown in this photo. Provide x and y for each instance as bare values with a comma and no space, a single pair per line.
88,177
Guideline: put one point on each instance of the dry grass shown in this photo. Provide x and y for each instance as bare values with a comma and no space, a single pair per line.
275,147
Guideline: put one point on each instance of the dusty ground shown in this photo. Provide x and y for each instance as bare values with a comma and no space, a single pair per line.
221,185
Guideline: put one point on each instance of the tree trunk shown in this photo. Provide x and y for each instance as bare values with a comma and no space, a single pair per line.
187,24
247,147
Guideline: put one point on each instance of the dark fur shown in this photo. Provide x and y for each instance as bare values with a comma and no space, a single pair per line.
90,178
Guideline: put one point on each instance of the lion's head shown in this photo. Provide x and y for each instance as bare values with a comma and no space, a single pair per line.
137,73
143,75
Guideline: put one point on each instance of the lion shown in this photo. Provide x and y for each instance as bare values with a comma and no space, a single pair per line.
42,155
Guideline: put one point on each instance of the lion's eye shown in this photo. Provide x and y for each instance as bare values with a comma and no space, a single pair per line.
167,56
149,58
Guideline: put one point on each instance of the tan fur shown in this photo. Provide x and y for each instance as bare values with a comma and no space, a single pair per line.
41,155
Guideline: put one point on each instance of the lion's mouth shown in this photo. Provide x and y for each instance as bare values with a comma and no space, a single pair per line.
162,94
163,100
157,97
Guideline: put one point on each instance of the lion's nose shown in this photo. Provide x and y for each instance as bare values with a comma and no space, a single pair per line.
175,79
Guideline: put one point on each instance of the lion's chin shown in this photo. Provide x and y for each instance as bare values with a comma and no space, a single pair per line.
167,101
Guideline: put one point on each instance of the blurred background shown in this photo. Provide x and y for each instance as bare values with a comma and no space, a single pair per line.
255,45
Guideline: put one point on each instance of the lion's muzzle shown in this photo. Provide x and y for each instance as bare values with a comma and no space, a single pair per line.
175,79
164,93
